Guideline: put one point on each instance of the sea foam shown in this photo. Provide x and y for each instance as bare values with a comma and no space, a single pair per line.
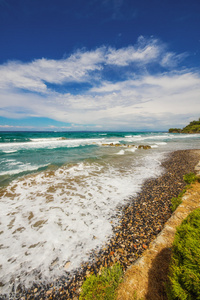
60,216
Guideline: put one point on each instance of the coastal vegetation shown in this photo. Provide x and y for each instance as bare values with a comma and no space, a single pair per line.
184,271
184,274
191,178
192,127
103,286
188,178
176,201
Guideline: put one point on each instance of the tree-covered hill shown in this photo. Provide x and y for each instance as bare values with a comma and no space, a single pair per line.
193,127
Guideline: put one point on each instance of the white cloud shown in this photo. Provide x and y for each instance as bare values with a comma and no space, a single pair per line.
151,97
6,126
171,59
35,76
125,56
139,101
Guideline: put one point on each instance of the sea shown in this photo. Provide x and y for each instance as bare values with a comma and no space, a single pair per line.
61,193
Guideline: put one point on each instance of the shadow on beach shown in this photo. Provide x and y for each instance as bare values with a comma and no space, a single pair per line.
157,276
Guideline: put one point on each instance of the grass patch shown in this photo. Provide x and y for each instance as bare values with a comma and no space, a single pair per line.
102,287
184,274
188,178
176,201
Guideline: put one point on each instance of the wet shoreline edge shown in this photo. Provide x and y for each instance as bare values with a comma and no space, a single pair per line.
141,220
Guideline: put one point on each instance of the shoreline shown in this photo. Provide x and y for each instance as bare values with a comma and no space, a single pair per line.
141,221
147,277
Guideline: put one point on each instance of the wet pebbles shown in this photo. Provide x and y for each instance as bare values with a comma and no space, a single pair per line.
140,221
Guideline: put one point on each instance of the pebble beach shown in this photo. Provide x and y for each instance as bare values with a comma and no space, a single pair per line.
140,222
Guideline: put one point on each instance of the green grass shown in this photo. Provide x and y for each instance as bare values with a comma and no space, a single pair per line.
176,201
184,274
102,287
184,277
188,178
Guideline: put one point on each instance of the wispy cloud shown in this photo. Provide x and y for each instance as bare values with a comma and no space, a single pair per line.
8,127
83,65
137,97
32,76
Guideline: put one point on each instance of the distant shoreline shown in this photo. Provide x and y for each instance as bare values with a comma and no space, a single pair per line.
192,127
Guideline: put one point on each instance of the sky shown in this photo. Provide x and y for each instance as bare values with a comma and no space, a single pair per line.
130,65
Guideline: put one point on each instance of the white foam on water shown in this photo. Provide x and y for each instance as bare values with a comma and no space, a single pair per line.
109,141
161,143
47,143
133,149
14,163
10,151
52,143
8,160
160,137
54,217
121,152
21,168
132,136
182,136
47,139
139,138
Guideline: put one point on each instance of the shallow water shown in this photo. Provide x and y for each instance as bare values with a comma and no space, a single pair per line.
60,196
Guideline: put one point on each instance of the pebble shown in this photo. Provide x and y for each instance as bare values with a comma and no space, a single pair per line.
67,265
140,221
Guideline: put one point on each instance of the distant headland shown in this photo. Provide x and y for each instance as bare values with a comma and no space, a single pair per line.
193,127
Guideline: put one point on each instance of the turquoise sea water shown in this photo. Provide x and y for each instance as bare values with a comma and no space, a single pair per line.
59,190
24,152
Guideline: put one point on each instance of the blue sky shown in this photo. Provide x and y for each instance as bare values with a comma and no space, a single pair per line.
99,64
